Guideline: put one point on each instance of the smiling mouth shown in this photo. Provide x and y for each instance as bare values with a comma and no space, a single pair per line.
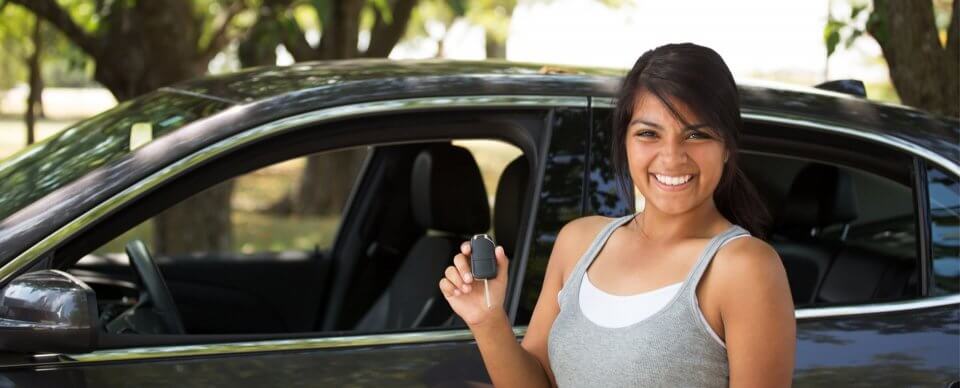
673,183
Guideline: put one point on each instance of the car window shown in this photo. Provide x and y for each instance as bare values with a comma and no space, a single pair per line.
277,261
846,236
944,192
281,212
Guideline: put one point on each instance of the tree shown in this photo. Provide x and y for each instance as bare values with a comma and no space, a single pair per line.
924,71
34,100
140,46
492,15
327,178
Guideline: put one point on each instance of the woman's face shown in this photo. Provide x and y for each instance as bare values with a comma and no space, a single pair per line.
688,160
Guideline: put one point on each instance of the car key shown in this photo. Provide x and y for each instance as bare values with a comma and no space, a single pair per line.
483,261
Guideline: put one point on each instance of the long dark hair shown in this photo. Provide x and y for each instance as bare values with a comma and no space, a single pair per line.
699,78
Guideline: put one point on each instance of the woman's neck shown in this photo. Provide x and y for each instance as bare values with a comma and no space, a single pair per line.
702,221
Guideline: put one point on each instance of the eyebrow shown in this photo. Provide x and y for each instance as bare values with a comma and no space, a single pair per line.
655,125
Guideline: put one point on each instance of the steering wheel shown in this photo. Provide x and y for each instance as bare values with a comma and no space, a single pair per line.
155,312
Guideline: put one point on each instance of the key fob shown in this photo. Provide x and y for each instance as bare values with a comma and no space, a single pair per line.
483,259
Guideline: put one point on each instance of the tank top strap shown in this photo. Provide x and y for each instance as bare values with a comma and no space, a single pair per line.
584,262
708,253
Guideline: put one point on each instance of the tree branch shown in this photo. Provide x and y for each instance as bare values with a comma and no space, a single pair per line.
383,36
220,38
50,11
295,40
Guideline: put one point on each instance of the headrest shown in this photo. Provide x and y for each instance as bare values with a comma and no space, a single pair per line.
820,195
447,191
509,202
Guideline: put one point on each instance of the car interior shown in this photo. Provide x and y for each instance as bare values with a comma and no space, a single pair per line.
403,226
846,235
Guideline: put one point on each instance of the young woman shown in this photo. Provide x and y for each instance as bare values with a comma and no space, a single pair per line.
683,293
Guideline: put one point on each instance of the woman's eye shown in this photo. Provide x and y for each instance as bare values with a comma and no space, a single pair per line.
646,133
700,135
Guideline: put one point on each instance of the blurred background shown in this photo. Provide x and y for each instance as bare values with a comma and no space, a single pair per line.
65,60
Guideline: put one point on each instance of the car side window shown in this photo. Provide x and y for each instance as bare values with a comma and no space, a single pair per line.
284,211
281,260
846,235
944,197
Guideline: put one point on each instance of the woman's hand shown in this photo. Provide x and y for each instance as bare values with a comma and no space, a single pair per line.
465,294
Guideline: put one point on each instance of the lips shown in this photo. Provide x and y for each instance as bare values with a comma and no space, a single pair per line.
666,187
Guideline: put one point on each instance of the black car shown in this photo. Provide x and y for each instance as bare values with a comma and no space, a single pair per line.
113,257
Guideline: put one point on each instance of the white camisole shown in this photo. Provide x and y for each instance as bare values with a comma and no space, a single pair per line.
613,311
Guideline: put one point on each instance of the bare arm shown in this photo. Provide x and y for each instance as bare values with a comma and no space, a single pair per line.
508,362
758,316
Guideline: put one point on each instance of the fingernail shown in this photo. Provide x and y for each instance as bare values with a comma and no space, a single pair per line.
466,289
467,277
456,292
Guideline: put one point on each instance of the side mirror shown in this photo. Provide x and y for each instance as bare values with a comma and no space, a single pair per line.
48,311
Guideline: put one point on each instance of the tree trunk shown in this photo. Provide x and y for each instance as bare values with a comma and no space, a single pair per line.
328,178
326,182
495,48
925,74
201,223
259,47
384,36
36,85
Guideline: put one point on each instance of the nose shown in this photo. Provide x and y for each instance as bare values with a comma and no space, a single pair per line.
673,152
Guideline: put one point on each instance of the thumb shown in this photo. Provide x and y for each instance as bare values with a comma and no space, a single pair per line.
503,263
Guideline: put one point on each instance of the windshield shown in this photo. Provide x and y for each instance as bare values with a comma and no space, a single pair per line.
61,158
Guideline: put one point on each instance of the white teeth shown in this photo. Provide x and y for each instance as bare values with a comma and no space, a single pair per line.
673,180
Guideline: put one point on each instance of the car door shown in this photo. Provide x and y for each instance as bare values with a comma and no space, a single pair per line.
440,355
865,316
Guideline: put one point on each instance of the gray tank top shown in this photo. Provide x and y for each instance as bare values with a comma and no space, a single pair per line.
674,347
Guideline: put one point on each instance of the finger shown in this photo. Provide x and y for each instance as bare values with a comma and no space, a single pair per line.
463,265
453,275
447,288
503,263
465,248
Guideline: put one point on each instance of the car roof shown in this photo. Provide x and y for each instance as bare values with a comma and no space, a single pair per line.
311,85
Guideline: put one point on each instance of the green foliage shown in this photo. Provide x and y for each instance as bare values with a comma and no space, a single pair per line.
878,25
321,9
846,30
492,15
62,63
383,8
831,35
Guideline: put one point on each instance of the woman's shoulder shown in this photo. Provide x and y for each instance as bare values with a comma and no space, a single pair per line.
748,260
575,237
582,229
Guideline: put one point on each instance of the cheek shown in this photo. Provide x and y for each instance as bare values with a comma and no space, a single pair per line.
710,162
